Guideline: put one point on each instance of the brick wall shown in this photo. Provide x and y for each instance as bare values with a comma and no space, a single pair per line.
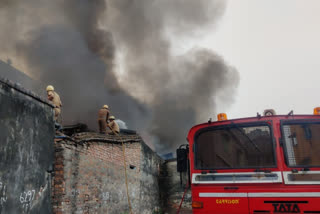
90,176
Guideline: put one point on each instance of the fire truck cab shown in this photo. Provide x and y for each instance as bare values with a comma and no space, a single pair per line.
264,164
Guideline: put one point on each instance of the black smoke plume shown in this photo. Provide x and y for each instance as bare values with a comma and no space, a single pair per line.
121,53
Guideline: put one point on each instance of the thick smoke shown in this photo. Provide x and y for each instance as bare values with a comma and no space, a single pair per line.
66,48
77,46
180,90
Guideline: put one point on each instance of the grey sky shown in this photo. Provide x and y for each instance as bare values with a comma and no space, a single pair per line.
274,44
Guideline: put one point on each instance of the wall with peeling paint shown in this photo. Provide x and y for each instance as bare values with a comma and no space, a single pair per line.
26,151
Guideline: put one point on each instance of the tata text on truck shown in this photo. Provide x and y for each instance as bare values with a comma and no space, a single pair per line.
265,164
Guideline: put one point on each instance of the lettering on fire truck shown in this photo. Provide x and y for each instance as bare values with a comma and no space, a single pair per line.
285,206
227,201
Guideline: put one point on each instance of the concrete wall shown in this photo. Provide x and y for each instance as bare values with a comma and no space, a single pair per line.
90,176
26,151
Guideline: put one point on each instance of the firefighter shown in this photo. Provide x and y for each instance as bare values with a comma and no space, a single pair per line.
103,116
54,99
113,126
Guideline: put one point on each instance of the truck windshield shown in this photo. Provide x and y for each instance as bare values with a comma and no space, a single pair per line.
301,143
234,146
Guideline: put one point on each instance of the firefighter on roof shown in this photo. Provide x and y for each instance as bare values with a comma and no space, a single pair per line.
54,99
113,126
103,116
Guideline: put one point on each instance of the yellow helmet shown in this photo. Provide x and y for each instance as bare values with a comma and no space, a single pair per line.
269,112
105,106
112,118
50,88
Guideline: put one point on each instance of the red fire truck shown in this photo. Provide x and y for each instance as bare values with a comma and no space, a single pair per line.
264,164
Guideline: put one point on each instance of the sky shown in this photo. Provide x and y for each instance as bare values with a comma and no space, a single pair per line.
274,45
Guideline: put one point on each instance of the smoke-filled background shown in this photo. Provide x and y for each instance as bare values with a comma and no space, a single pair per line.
122,53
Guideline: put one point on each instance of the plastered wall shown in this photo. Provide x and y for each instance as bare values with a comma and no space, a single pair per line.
26,151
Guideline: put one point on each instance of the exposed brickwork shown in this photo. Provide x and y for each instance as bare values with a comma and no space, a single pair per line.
90,177
58,189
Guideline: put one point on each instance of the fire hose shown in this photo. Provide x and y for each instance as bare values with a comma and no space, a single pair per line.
125,173
182,199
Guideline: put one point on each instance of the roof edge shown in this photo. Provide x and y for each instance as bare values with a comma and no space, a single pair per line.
24,91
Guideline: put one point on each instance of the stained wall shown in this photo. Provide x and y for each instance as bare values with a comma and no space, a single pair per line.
26,151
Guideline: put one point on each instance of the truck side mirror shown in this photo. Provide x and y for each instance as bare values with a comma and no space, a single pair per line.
182,160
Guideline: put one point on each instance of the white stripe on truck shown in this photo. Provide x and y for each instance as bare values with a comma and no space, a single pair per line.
260,194
221,194
284,194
